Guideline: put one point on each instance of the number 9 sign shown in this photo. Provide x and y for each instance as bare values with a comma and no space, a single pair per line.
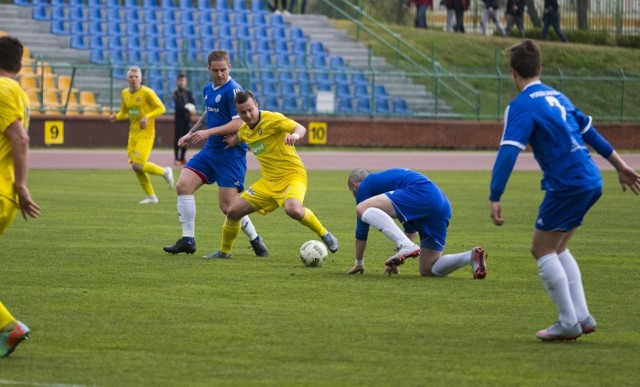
53,132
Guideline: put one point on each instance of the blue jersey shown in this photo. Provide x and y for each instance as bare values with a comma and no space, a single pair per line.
556,130
420,205
220,110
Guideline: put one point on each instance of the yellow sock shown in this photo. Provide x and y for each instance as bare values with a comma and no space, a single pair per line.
5,317
153,169
145,183
230,230
311,221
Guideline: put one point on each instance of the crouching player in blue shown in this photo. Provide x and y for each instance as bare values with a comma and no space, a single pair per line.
422,208
557,132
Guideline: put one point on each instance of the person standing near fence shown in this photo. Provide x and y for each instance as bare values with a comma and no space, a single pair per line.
551,17
558,133
515,15
491,13
141,106
421,12
182,116
460,7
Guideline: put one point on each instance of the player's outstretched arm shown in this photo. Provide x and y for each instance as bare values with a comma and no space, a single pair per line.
358,267
20,151
230,127
626,175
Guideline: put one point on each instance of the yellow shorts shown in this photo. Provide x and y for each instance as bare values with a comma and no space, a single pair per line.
8,211
266,196
139,149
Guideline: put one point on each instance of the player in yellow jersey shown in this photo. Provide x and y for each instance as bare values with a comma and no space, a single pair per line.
283,183
141,105
14,156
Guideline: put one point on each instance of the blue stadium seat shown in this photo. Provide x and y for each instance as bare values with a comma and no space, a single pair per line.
95,42
96,3
240,6
364,105
95,16
287,89
115,43
151,29
134,57
281,48
400,106
76,14
308,103
322,81
192,49
336,63
258,19
149,4
59,27
188,31
187,16
78,42
203,4
299,47
170,44
380,91
117,56
359,79
167,4
241,19
276,20
263,61
22,3
269,89
290,104
283,62
76,27
131,4
300,61
172,57
296,34
39,11
243,33
343,91
227,45
134,43
382,105
271,103
262,47
133,29
184,4
317,48
153,57
206,31
204,17
279,34
113,15
222,5
207,44
222,19
169,17
304,81
345,105
97,56
224,31
267,76
131,15
114,29
169,31
258,6
341,78
319,62
157,85
361,91
151,43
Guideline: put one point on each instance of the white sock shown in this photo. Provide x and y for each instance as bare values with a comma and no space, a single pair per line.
383,222
575,284
248,228
449,263
555,281
187,214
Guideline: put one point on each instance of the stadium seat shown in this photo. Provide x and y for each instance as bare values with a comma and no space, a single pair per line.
269,89
336,63
115,29
296,34
168,17
50,101
262,47
206,31
283,62
300,61
95,28
96,3
241,19
263,61
117,57
203,4
282,48
345,105
319,62
151,29
400,106
275,20
153,57
76,14
88,103
243,33
22,3
169,31
167,5
240,6
359,79
380,91
39,11
308,103
57,12
204,17
131,15
149,4
343,91
299,47
222,19
382,105
258,19
113,15
271,103
290,104
224,31
187,16
134,43
115,43
287,89
133,29
131,4
364,105
94,14
170,45
279,34
151,43
340,78
134,56
97,56
78,42
76,27
258,6
171,57
58,27
27,81
317,48
189,31
222,5
361,91
304,81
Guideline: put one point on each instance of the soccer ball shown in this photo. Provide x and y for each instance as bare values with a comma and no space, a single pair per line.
313,253
190,107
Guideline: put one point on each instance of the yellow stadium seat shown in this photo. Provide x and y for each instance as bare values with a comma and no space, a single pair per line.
50,101
34,101
28,81
88,103
73,107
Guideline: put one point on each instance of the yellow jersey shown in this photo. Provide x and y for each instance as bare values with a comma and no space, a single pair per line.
142,102
266,140
14,105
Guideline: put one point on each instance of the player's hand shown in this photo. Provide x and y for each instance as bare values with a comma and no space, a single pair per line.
230,140
629,178
112,118
356,269
496,214
197,137
28,207
391,269
291,139
143,122
183,142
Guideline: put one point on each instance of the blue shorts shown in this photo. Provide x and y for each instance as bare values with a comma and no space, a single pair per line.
423,209
564,212
226,171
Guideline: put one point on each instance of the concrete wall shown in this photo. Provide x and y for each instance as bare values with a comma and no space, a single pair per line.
81,132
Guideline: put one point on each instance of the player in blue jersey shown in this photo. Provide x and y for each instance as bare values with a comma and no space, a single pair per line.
557,132
422,208
214,163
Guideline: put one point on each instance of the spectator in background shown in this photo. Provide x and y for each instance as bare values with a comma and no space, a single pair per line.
303,6
515,15
182,116
460,7
273,6
421,11
451,14
551,17
491,13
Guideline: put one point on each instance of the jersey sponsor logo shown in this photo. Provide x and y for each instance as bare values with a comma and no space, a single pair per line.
257,147
134,112
213,109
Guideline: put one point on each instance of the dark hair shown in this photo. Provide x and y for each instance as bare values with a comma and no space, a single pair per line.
182,75
525,58
11,50
242,97
218,56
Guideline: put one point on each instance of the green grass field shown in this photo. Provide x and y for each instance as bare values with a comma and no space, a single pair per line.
108,307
